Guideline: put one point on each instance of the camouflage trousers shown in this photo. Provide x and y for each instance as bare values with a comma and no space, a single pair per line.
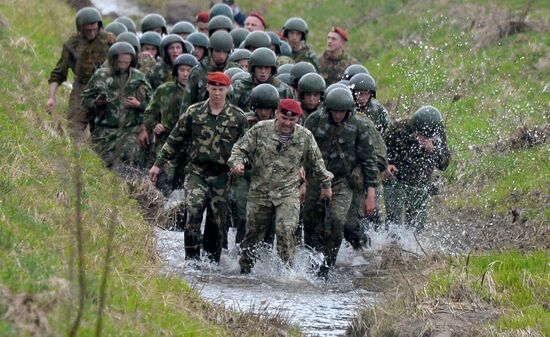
119,147
412,200
259,218
77,115
354,231
205,192
323,229
239,195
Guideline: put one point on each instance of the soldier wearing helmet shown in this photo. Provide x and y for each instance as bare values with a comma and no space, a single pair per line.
416,146
262,68
311,88
128,22
171,46
83,53
295,31
150,51
241,57
334,59
219,23
200,42
154,22
345,143
116,28
115,99
183,29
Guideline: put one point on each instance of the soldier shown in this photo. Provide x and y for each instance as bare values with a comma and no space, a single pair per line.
200,43
210,128
115,98
171,46
163,112
311,89
262,68
238,35
202,23
335,60
299,70
345,143
116,28
183,29
219,23
255,40
154,22
295,31
128,22
274,151
83,53
241,57
150,51
353,70
255,22
416,146
220,9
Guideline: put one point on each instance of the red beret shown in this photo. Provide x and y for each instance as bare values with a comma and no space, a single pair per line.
290,107
340,31
259,16
202,17
218,78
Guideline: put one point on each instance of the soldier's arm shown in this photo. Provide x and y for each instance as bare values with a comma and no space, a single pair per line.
151,115
175,141
143,95
243,147
366,154
59,73
442,152
378,144
314,161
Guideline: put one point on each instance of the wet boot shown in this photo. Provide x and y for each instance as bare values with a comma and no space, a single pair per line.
323,271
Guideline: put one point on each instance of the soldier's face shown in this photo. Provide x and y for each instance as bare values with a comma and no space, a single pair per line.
362,97
157,30
90,31
312,99
183,74
285,124
149,49
202,27
174,50
294,39
338,116
217,93
123,62
334,42
199,52
219,57
264,113
262,74
253,24
243,64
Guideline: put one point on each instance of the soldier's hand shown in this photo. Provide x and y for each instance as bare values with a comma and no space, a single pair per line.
238,170
145,55
159,128
144,137
326,193
303,188
50,104
388,173
153,174
370,202
130,102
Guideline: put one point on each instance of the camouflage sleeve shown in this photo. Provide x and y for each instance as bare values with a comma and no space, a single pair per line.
59,73
367,154
443,154
312,121
143,95
151,115
175,141
90,93
378,144
243,147
192,96
314,161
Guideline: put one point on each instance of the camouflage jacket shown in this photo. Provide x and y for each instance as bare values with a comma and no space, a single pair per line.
282,59
82,57
159,73
307,55
115,87
332,68
414,165
209,137
275,166
377,114
164,108
147,64
345,146
242,90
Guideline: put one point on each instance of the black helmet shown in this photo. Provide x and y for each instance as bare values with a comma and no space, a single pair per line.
219,22
220,9
299,70
87,15
353,70
285,68
239,54
221,41
311,82
198,39
183,60
297,24
256,40
239,34
132,39
427,120
335,86
168,40
264,96
119,48
152,21
263,57
151,38
182,27
339,99
363,82
232,71
116,28
128,22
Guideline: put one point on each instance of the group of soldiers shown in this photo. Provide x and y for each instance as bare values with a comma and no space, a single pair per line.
260,133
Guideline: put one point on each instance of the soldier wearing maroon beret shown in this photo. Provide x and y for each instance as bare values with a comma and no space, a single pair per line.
335,60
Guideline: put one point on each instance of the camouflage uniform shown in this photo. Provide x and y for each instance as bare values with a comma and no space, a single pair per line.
307,55
115,128
414,171
275,182
344,147
159,73
83,57
242,91
210,139
283,59
332,68
147,64
377,114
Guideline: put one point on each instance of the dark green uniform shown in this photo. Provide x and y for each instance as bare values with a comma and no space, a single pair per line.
332,68
242,91
159,73
307,55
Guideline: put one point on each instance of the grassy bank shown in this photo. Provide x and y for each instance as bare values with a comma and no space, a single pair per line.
39,275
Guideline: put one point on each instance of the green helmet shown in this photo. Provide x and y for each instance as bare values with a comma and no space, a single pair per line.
189,48
132,39
286,50
335,86
428,121
239,54
339,99
263,57
152,21
198,39
285,69
241,76
276,41
353,70
87,15
167,41
297,24
219,22
264,96
221,41
116,28
182,27
299,70
119,48
220,9
256,40
284,77
151,38
129,23
239,34
363,82
232,71
183,60
311,82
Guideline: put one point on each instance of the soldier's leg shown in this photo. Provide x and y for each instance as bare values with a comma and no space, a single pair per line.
195,200
77,114
374,221
339,206
241,197
313,217
416,214
354,233
286,220
394,198
258,218
216,216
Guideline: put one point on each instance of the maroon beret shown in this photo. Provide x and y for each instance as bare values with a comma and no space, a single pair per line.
219,78
259,16
202,17
290,107
340,31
